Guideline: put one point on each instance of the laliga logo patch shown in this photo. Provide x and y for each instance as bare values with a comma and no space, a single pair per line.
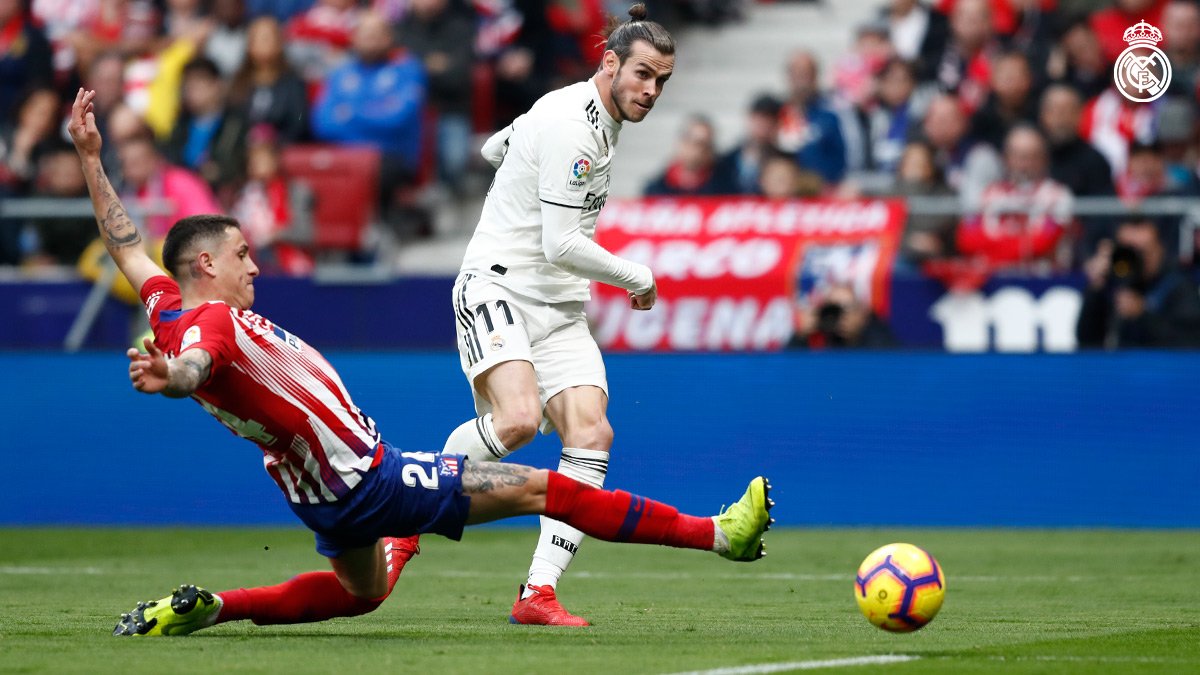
497,343
190,337
580,168
1142,72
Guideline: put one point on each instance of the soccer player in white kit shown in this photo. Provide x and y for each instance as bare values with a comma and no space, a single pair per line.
523,338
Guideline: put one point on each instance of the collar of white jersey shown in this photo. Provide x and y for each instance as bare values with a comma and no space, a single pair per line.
604,116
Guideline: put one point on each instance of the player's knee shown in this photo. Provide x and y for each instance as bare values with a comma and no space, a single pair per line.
517,427
594,434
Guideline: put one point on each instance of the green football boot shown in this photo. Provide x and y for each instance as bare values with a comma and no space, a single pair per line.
744,522
186,610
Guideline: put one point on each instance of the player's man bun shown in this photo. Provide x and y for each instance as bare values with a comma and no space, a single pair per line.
620,35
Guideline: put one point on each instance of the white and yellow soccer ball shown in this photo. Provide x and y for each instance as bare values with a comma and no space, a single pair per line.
899,587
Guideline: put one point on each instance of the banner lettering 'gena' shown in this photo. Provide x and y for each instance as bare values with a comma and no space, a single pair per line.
733,273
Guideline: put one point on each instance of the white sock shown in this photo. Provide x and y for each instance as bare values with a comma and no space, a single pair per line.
558,542
720,539
477,440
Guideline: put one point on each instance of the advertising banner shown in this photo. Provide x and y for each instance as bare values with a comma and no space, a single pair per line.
732,273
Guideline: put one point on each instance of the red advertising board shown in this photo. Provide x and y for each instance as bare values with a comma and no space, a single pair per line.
732,272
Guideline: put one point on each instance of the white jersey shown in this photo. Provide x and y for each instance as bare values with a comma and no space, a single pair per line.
535,234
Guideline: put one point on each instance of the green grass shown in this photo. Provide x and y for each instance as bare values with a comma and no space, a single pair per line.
1018,601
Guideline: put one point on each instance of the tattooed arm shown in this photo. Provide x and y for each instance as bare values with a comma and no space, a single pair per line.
153,373
120,235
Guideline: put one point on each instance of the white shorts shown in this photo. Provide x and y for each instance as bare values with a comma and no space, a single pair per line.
495,325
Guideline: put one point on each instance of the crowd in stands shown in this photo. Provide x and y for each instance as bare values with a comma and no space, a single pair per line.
1008,107
224,105
215,105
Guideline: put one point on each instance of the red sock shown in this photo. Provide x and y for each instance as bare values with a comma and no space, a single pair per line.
620,516
313,596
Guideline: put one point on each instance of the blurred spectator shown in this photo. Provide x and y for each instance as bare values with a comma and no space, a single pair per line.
879,129
1112,123
443,39
1111,23
1037,24
1136,296
1078,61
22,141
184,18
926,237
1073,161
968,165
62,239
1025,214
266,89
781,178
807,127
275,213
167,192
59,20
25,57
1010,103
1177,131
377,100
209,137
1008,15
1146,175
964,67
226,44
106,76
839,319
1181,28
319,38
25,136
918,34
576,25
854,73
691,171
737,171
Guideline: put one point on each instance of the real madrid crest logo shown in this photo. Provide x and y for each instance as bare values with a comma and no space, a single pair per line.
1142,72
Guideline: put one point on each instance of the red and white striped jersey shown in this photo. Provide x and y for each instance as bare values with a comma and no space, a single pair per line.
269,387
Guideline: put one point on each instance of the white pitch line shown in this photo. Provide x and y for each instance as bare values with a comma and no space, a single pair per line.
851,662
15,569
767,576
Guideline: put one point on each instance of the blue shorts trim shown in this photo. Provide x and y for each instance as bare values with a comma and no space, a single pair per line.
407,493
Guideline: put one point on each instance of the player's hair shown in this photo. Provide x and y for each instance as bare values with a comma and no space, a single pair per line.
186,232
619,35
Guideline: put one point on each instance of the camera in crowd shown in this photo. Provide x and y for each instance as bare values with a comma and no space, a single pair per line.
1128,269
829,315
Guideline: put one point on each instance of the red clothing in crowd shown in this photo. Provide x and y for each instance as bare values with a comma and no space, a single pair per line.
1018,223
1110,26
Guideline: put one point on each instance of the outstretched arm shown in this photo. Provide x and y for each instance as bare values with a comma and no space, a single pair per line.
120,235
153,373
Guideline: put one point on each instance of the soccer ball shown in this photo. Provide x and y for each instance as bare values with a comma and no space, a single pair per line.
899,587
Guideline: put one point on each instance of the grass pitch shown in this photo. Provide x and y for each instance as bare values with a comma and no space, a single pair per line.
1017,601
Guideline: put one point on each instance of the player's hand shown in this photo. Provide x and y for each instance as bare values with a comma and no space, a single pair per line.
1130,304
82,126
645,300
148,371
1097,267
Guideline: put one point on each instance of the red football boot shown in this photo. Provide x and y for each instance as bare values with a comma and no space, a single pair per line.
542,608
398,552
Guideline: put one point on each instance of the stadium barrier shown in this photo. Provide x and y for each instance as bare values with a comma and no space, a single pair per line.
1084,440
